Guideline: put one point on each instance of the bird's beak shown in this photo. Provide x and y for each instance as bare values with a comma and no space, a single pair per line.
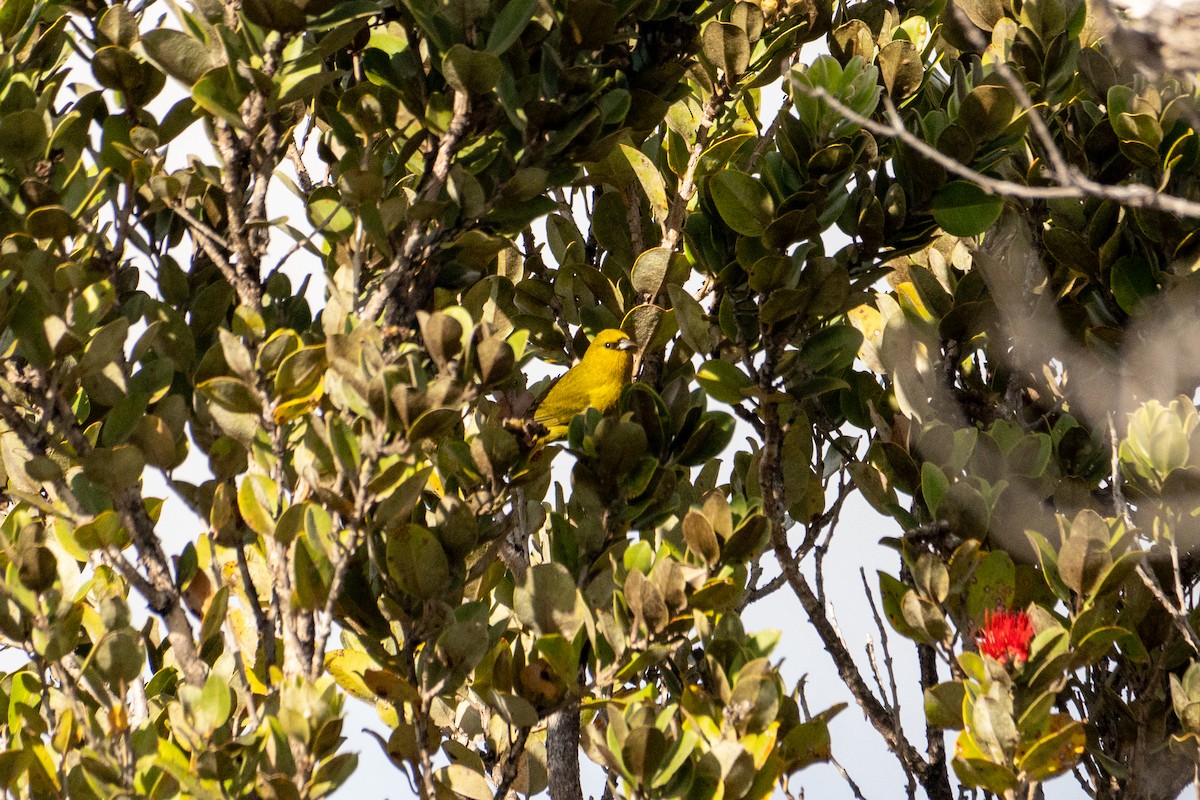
627,344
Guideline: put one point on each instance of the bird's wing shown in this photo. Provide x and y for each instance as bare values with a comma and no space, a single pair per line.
561,402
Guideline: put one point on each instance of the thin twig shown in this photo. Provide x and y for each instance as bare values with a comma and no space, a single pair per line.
153,581
846,777
303,179
888,663
673,224
1134,196
266,631
768,136
324,620
1115,474
1177,616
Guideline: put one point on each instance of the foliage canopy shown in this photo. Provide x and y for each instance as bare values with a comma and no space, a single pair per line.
954,274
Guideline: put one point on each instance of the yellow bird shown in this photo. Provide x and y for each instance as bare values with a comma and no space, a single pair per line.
595,382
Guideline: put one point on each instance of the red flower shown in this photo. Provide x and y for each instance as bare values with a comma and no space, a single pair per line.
1006,636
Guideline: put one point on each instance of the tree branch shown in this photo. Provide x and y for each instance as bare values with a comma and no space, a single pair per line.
1133,196
770,479
415,239
154,582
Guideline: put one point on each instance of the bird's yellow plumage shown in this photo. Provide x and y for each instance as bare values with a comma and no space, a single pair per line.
595,382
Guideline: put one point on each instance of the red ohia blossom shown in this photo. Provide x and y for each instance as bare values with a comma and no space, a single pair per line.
1006,636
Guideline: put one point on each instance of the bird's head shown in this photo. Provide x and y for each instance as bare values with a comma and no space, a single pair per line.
612,350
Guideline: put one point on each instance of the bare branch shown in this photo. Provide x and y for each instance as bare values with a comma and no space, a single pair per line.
768,136
266,631
1178,617
1131,195
888,662
357,526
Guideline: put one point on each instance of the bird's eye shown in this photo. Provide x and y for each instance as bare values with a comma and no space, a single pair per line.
610,345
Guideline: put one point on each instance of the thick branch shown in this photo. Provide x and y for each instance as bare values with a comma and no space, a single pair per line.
165,600
357,528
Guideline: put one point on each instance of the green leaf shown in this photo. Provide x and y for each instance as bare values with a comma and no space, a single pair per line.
214,705
964,209
726,47
179,55
231,394
513,709
693,325
120,657
464,782
103,531
808,743
901,68
474,72
328,213
1084,557
347,668
1132,280
547,601
14,14
643,752
657,268
124,418
712,435
931,577
214,616
759,695
925,619
650,179
987,111
992,586
417,562
723,381
944,705
700,537
831,349
934,486
258,500
23,135
50,222
221,95
893,591
993,727
512,20
1055,753
300,373
115,467
743,202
